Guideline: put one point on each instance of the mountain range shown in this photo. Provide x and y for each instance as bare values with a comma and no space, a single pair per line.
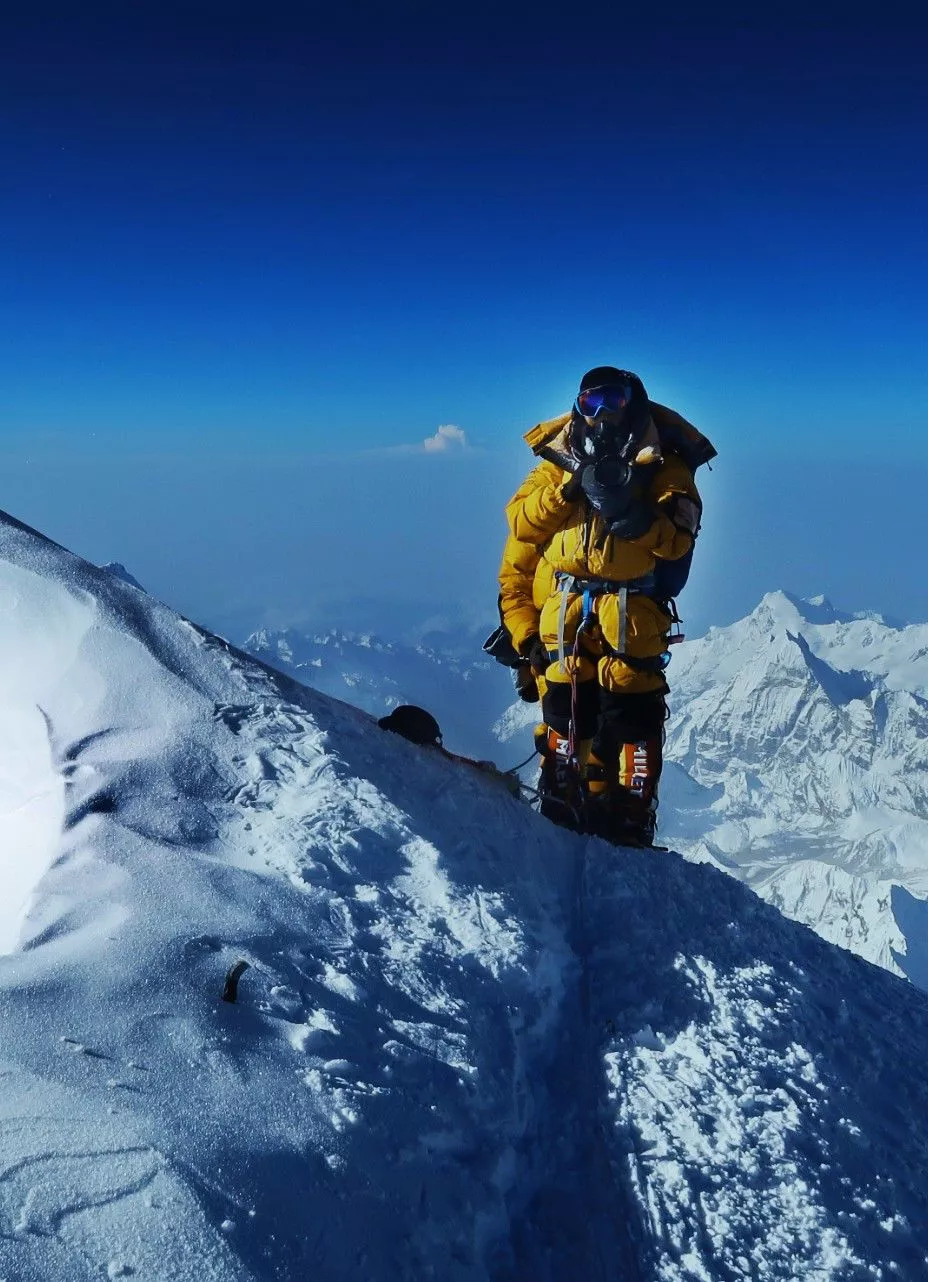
800,739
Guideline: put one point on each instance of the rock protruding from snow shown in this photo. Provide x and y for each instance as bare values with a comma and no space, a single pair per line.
117,569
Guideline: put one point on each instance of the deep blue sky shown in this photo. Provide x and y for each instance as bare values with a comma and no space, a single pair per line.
243,246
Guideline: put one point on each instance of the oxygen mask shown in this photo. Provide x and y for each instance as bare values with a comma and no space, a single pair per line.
606,440
606,422
611,471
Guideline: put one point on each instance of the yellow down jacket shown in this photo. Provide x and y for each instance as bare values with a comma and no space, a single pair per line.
525,583
550,536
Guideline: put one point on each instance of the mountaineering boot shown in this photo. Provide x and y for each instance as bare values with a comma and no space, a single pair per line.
631,821
621,801
620,817
560,784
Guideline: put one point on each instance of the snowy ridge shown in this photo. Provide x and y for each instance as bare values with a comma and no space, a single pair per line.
469,1046
117,569
748,1087
465,694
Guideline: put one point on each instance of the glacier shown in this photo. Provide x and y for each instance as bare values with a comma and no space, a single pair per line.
468,1046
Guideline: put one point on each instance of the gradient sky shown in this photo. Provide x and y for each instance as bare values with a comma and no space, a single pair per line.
252,257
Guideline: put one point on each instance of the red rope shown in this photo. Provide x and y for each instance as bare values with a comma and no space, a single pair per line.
575,656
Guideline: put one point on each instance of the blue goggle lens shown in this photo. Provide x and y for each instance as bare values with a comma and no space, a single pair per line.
604,400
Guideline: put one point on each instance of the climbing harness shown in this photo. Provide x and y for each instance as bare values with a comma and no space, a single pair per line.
564,766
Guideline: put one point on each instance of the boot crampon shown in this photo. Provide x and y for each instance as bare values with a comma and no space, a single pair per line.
614,800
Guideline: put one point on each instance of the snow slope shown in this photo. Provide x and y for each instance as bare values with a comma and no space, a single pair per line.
469,1046
466,692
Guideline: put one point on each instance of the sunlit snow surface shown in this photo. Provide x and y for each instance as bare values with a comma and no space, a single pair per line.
469,1046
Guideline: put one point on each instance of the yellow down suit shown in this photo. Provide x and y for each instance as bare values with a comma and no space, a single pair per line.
551,537
589,609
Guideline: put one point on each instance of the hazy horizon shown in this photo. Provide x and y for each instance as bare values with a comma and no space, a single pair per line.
281,293
237,545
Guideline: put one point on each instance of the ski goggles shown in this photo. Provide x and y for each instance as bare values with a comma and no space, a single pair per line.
611,399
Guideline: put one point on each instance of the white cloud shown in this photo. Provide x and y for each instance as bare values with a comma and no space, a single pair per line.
448,437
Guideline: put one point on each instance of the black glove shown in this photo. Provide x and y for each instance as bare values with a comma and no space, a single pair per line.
572,488
526,685
619,494
535,653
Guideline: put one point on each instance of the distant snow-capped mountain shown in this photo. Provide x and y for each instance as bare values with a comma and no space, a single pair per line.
466,692
797,759
801,735
119,570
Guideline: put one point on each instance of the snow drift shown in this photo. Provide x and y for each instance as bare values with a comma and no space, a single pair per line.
469,1046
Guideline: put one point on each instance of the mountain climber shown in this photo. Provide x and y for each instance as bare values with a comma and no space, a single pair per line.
601,538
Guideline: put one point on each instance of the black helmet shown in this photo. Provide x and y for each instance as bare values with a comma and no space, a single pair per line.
609,414
414,724
605,376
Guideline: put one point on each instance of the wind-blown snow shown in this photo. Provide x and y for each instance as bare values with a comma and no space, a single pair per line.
31,789
469,1046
